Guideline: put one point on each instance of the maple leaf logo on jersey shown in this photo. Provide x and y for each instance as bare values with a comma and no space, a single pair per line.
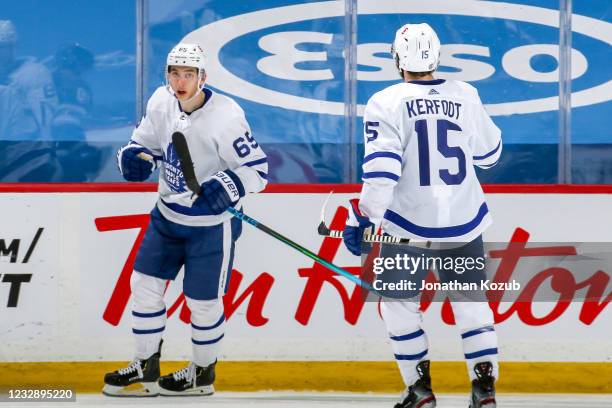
172,171
434,92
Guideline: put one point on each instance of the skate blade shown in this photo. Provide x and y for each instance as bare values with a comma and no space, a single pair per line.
191,392
143,389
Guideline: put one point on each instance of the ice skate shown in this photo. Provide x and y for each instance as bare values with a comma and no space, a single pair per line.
419,395
138,379
483,387
191,380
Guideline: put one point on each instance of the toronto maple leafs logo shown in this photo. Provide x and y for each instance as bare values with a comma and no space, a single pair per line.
172,171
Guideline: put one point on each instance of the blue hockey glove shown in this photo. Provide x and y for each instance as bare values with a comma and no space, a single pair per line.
133,167
220,192
357,225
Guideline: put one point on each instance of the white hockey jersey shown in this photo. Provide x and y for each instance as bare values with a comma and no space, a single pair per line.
422,140
218,137
33,82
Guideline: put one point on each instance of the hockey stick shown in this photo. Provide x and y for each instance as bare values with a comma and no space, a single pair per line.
324,230
182,150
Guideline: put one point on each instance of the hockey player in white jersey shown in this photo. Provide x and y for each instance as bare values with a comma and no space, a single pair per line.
32,83
423,137
194,232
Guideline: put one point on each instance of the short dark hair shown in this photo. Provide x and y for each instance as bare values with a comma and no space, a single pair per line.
419,74
414,74
170,67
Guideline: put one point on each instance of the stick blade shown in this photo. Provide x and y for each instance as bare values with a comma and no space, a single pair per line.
182,150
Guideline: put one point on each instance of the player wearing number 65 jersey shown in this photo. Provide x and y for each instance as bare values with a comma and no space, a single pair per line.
189,231
423,137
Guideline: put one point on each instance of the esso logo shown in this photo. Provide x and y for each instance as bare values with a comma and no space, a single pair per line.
275,57
517,62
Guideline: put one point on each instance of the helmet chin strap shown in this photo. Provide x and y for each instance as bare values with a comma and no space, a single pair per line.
195,95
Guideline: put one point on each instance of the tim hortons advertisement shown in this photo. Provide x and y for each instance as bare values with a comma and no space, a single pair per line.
67,260
31,294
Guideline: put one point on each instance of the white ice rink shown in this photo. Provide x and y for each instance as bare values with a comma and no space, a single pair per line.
311,400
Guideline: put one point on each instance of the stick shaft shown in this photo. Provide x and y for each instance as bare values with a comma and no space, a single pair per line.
300,248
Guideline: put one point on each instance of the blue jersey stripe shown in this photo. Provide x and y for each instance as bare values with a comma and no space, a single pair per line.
437,232
154,314
408,336
382,174
485,352
411,356
375,155
204,342
148,331
487,166
491,153
219,322
262,174
181,209
477,331
256,162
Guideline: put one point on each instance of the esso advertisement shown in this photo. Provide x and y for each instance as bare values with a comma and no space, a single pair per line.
65,291
293,57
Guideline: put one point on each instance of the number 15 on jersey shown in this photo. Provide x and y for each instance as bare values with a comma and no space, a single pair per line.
427,161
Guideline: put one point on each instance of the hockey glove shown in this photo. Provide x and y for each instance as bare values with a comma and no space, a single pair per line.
357,225
220,192
132,166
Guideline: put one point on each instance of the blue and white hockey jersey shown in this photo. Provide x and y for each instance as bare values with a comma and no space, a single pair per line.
422,140
218,137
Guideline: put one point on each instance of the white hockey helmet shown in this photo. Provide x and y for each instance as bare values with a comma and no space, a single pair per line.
416,48
187,55
8,32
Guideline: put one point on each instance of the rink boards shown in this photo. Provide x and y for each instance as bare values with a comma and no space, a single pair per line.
67,256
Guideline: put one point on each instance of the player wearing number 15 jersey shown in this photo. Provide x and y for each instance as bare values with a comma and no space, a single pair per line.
422,140
423,137
186,230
